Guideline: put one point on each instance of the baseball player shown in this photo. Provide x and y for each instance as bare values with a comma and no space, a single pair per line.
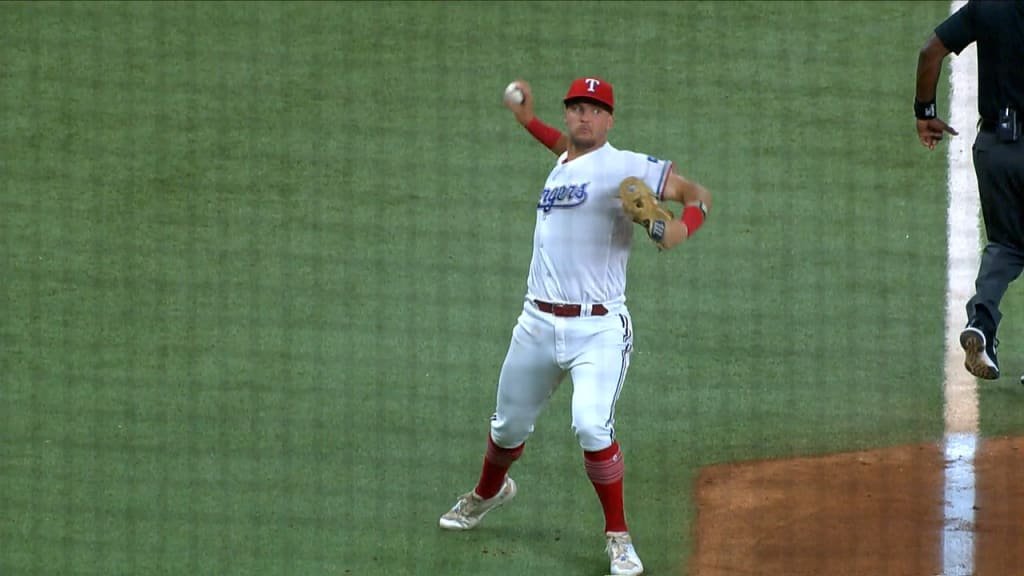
574,319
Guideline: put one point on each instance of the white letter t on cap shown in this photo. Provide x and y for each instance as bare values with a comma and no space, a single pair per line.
592,84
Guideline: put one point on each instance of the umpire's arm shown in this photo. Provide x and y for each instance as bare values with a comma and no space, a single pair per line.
930,127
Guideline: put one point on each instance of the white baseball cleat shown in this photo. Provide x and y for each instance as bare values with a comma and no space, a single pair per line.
622,554
470,508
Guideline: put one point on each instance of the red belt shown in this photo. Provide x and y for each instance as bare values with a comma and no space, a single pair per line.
569,310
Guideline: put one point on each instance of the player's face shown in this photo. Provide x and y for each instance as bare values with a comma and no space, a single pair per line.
588,124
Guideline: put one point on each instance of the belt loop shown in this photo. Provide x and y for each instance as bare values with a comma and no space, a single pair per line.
586,309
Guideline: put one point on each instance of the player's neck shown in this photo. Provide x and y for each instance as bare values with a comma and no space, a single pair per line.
575,150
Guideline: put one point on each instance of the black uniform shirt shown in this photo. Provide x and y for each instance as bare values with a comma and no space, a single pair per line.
998,28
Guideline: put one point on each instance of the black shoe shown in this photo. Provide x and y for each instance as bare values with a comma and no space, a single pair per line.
981,353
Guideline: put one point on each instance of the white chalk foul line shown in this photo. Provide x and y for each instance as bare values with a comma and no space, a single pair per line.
963,253
958,528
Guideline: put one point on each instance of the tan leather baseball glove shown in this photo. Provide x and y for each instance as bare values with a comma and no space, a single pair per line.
641,205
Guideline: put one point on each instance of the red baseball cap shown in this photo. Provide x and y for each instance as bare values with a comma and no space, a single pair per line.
591,88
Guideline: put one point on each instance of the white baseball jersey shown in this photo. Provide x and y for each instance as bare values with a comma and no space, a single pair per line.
582,239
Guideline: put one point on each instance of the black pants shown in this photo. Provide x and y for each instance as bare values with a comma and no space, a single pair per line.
1000,170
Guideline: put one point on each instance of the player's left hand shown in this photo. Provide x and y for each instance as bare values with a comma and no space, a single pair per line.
930,131
640,204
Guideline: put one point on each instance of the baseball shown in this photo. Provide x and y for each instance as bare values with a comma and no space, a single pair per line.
514,94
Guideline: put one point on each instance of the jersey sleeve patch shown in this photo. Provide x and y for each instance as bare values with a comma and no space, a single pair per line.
652,170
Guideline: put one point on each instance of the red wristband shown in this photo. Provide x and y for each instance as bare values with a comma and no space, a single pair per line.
547,135
693,217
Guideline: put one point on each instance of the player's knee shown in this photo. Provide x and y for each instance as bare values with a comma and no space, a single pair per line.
509,435
594,436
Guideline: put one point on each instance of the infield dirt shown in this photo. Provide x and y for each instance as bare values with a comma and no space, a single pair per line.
872,512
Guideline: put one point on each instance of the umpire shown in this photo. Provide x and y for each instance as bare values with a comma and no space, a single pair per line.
998,28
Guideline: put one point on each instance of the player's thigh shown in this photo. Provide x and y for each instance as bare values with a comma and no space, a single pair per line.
529,375
598,377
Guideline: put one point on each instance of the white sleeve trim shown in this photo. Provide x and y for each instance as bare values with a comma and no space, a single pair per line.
665,171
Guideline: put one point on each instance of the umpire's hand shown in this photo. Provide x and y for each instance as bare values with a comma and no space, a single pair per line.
930,131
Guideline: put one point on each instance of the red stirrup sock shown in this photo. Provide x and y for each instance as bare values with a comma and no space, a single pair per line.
605,468
497,461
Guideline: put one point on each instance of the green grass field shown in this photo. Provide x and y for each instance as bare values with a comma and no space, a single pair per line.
261,263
